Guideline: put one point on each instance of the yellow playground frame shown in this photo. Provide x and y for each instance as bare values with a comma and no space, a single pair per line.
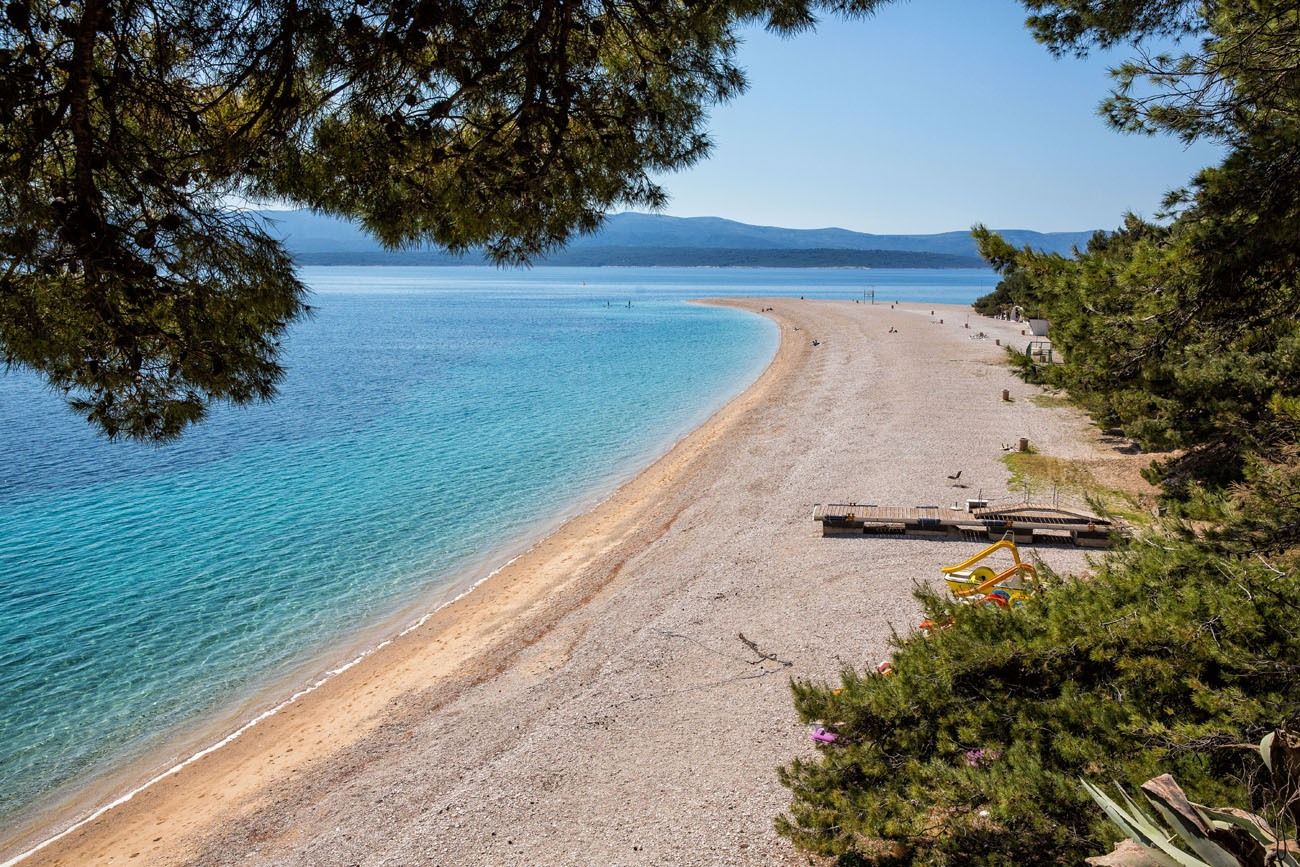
970,582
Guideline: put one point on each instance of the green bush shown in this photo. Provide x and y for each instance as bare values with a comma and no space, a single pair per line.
971,752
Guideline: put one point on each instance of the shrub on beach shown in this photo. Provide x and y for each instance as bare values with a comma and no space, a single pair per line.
1183,649
1167,661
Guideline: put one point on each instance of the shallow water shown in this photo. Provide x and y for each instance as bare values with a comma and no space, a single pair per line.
427,414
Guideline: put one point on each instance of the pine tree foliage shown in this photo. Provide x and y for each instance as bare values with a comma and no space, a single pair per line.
127,126
1158,346
1184,647
970,753
1187,334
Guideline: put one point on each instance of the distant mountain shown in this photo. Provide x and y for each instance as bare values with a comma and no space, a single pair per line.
653,239
656,230
713,257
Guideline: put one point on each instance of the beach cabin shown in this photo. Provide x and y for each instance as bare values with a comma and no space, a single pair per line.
1041,352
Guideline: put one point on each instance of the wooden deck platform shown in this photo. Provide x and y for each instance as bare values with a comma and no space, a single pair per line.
1027,523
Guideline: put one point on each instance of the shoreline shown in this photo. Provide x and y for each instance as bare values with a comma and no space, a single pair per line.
217,741
76,811
544,612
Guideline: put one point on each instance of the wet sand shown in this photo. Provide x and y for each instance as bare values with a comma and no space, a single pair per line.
593,702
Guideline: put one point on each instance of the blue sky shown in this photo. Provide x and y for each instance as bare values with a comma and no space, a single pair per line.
928,117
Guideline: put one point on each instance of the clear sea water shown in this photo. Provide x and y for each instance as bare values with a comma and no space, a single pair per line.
143,589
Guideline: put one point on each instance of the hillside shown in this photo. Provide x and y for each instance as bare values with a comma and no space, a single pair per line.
653,239
656,230
697,257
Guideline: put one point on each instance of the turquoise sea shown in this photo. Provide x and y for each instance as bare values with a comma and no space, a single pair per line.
144,589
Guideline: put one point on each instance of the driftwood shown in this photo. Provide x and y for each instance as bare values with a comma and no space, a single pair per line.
762,657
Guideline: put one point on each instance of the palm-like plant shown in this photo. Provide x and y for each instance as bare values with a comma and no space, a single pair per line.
1193,835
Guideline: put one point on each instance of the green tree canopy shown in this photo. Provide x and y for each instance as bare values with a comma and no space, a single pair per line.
127,126
1186,333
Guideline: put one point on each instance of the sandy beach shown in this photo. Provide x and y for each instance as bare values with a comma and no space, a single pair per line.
593,702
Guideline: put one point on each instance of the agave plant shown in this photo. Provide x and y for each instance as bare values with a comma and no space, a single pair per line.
1201,836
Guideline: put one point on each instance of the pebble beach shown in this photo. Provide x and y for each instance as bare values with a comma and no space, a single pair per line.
619,693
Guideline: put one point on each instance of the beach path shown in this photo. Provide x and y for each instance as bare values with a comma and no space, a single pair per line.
594,703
